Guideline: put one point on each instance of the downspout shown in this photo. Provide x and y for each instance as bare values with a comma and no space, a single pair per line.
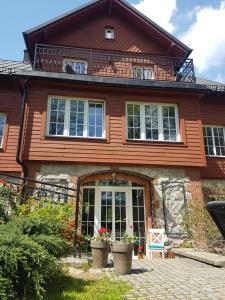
20,136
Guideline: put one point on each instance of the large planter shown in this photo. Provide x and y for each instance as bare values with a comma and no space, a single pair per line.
100,251
122,257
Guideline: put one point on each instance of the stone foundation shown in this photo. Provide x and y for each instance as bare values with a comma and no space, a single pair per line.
173,188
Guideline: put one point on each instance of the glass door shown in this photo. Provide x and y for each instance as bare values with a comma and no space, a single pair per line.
113,209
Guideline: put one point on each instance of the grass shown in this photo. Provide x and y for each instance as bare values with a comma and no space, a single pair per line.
68,288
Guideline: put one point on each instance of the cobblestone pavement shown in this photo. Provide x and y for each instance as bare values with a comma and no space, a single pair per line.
178,278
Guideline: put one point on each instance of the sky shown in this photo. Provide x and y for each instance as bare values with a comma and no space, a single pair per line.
200,24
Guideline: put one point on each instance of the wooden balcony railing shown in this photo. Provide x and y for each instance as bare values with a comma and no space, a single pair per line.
106,63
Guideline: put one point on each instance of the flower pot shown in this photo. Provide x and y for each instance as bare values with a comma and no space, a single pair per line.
122,257
100,251
140,255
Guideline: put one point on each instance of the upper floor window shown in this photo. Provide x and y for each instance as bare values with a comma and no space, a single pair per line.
2,126
140,72
75,118
73,66
109,33
214,139
154,122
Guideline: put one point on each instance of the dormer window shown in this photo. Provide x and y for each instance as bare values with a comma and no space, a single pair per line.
75,66
109,33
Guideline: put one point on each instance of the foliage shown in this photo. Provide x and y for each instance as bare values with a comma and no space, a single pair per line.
25,265
8,200
102,235
199,224
68,288
48,210
29,248
127,239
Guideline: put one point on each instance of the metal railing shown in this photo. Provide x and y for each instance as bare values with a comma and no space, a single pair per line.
39,190
107,63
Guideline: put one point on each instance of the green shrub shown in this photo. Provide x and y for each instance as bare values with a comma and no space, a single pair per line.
25,264
8,203
199,225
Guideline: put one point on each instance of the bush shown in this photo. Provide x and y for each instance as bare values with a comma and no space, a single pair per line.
29,248
8,199
25,265
199,225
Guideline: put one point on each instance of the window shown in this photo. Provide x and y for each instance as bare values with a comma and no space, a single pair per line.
214,140
72,66
75,118
140,72
152,122
109,33
2,125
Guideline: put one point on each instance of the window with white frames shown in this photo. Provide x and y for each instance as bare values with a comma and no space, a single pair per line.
154,122
2,126
109,33
214,139
140,72
75,118
74,66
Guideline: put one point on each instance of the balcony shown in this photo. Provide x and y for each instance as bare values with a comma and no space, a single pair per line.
105,63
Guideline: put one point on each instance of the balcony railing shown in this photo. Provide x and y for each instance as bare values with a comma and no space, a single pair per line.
105,63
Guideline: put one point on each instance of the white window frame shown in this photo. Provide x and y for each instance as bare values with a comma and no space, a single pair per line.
160,121
67,117
3,131
142,69
66,60
111,31
213,139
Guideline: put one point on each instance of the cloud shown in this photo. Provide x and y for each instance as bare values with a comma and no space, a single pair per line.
159,11
206,36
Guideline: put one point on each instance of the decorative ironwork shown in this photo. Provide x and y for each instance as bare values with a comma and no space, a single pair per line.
107,63
38,190
174,204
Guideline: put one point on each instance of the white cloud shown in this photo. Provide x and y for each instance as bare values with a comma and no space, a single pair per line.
159,11
206,36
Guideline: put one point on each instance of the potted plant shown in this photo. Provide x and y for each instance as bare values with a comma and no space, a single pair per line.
122,252
100,248
140,253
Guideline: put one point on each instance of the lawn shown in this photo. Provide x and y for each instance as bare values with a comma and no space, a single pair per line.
68,288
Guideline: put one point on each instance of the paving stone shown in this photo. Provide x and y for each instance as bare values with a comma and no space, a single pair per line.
169,279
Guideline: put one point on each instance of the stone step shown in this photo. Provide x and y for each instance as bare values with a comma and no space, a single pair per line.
212,259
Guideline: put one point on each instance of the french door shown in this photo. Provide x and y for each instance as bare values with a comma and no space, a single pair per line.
117,208
113,212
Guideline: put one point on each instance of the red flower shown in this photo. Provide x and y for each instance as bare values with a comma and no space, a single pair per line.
102,230
140,248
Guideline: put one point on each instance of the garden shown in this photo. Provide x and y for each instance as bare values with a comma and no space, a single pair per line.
33,238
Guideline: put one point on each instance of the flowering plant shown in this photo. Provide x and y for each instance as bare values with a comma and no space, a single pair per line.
103,235
140,249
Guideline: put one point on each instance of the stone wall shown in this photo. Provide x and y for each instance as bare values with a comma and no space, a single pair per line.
173,188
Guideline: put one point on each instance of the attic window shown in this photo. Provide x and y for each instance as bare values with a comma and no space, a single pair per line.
109,33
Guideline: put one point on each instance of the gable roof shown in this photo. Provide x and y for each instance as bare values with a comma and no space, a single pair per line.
97,4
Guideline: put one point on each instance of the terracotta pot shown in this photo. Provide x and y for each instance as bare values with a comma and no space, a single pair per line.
140,255
100,251
122,257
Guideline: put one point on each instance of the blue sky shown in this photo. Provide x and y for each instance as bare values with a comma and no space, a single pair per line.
198,23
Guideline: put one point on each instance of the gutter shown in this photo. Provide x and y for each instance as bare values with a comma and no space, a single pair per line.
20,136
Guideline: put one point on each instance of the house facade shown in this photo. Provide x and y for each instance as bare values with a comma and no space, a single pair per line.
107,102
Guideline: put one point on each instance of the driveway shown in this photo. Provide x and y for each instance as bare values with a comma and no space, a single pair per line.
178,278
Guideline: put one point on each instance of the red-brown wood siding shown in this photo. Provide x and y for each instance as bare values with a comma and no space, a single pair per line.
115,149
90,34
10,100
213,113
